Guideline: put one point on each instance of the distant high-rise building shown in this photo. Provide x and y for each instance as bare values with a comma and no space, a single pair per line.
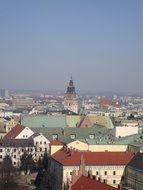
3,93
71,100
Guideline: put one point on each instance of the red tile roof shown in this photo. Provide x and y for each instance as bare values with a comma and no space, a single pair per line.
14,132
105,102
55,142
70,158
86,183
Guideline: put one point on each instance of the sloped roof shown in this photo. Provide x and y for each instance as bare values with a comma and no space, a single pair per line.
72,120
86,183
99,120
64,134
55,142
17,143
46,121
15,131
68,157
137,162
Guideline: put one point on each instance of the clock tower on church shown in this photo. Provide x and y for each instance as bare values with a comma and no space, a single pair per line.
71,100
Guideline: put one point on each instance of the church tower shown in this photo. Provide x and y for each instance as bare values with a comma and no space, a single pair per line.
71,101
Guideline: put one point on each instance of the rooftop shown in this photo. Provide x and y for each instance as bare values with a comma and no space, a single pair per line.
56,142
86,183
44,121
17,143
137,161
67,156
14,132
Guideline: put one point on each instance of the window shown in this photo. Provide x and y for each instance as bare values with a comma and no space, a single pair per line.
31,149
94,177
40,149
0,156
45,149
105,173
45,142
15,150
8,150
22,150
14,163
23,136
54,136
36,143
97,173
0,150
14,156
72,136
40,142
114,181
114,173
91,136
122,178
104,181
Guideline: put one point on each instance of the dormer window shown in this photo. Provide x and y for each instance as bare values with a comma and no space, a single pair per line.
55,136
72,136
92,136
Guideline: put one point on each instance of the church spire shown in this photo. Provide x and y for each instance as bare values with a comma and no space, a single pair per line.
71,88
71,101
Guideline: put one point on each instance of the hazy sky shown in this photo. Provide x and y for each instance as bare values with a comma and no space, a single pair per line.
99,42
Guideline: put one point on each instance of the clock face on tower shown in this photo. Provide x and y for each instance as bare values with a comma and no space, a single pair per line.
71,101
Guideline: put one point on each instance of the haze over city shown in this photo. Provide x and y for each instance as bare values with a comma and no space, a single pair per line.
99,42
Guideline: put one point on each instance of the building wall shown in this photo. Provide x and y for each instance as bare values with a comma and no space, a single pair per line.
133,124
78,145
134,178
112,175
112,148
41,144
55,148
23,102
10,124
71,102
97,147
105,173
56,176
25,134
123,131
15,153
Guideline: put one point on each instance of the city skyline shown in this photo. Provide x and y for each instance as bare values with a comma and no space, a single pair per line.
98,42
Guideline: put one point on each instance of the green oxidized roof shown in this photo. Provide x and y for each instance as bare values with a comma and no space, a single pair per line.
72,120
44,121
81,133
102,135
